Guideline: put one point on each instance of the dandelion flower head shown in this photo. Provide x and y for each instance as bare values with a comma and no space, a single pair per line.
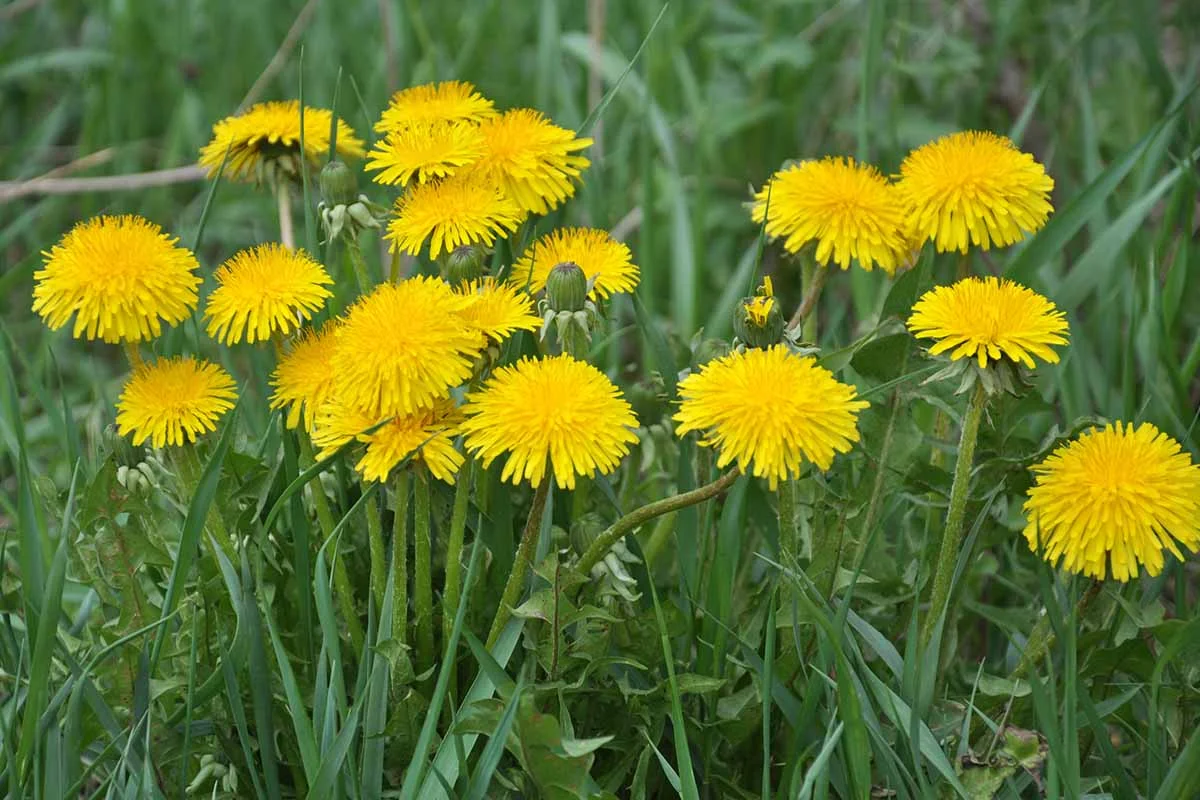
174,400
426,435
425,152
265,290
533,160
606,262
448,101
498,310
303,379
464,209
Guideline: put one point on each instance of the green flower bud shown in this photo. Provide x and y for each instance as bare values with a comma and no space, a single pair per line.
758,322
464,264
339,185
567,287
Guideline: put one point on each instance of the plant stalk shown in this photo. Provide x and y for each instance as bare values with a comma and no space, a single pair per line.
376,550
789,530
400,491
452,589
287,230
522,562
1041,638
813,278
423,569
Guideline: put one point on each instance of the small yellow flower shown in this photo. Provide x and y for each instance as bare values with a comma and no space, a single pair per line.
426,435
402,346
769,410
988,318
121,277
173,401
604,261
974,188
461,210
303,379
425,151
759,307
848,209
449,101
554,414
269,134
1115,499
264,290
498,310
533,160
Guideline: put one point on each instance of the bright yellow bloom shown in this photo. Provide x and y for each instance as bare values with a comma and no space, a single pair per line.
121,277
498,310
174,400
448,101
605,261
974,188
426,151
303,379
402,346
759,307
1119,495
460,210
988,318
554,414
769,410
426,435
532,159
269,133
264,290
848,209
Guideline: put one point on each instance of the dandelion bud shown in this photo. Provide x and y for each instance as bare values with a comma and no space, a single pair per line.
567,287
339,186
758,321
464,264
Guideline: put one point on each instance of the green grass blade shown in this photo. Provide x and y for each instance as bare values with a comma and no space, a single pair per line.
683,756
41,646
489,759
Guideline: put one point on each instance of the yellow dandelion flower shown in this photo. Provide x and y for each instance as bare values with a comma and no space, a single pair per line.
448,101
1115,499
303,379
402,346
604,261
461,210
498,310
264,290
974,188
269,133
121,277
989,318
426,435
532,159
430,150
849,209
173,401
552,413
769,410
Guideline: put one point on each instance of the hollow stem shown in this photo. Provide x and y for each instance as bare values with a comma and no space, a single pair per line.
452,589
287,230
636,518
813,277
522,562
361,274
423,569
955,515
400,490
133,354
376,550
789,530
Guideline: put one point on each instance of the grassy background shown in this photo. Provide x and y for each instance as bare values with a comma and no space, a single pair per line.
721,95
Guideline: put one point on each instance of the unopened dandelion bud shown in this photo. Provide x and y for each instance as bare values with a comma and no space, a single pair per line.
567,287
464,264
759,323
339,185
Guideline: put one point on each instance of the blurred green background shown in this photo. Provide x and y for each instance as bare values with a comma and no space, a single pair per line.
721,94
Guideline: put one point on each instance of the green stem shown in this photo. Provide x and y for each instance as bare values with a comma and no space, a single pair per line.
376,550
452,589
400,557
1041,638
952,537
133,354
287,229
789,530
423,570
635,519
812,278
361,273
522,562
876,501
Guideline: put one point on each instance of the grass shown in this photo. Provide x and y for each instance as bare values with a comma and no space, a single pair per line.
131,649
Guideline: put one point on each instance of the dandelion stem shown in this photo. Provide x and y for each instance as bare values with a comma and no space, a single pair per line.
287,230
354,250
452,590
400,491
1041,638
133,354
789,531
813,277
522,562
376,550
955,515
635,519
423,569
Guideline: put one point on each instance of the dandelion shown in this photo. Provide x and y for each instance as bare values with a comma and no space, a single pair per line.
426,151
267,136
974,188
265,290
607,263
758,322
987,319
303,379
173,400
403,346
533,160
426,435
849,209
121,277
555,414
1113,500
448,101
498,310
769,410
461,210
